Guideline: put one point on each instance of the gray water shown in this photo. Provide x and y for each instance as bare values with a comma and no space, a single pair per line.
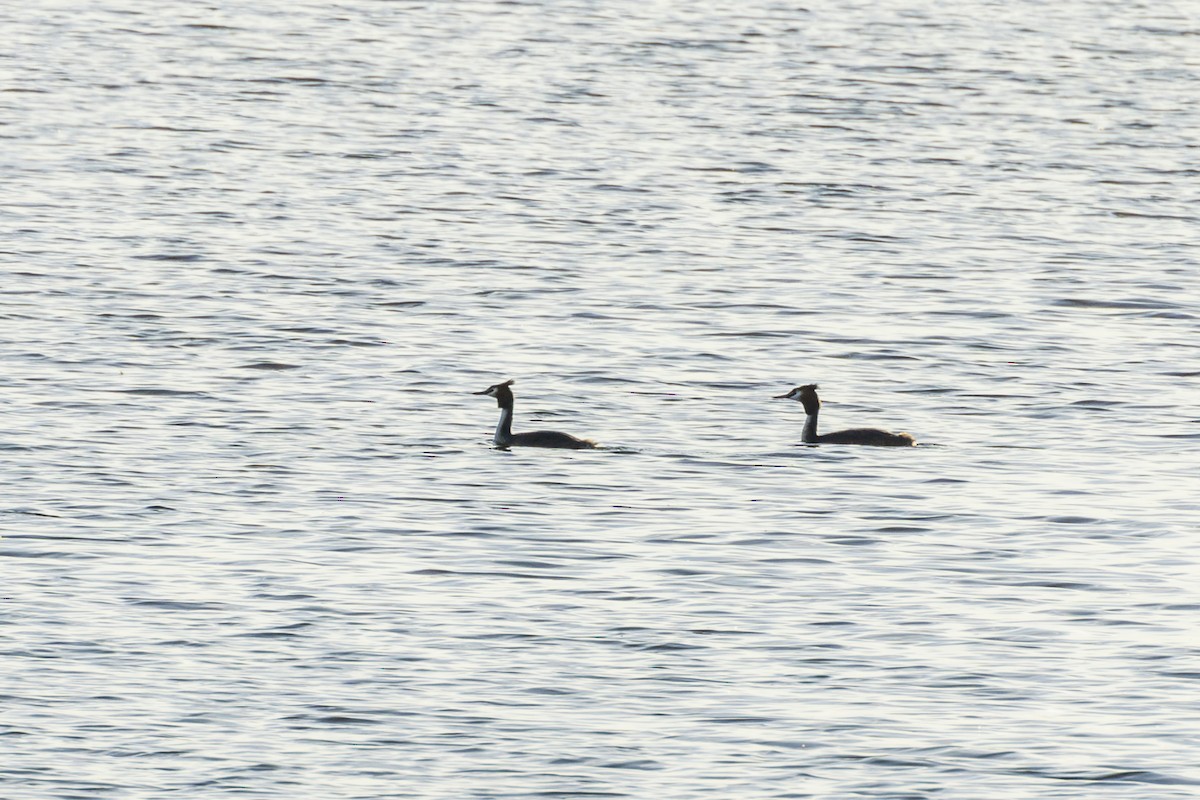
257,543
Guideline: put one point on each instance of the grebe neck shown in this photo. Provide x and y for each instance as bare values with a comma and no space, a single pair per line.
812,406
809,434
504,426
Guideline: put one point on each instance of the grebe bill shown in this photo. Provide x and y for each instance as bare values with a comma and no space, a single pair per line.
506,438
807,395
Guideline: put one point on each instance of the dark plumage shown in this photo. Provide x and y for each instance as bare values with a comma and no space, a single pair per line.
807,395
506,438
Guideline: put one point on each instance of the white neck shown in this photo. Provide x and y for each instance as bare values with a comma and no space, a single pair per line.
503,428
809,434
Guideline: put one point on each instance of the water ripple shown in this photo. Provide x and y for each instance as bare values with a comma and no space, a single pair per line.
258,542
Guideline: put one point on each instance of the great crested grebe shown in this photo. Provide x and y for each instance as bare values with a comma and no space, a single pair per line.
812,405
506,438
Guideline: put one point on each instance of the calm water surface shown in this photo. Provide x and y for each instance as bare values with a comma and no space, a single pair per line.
256,542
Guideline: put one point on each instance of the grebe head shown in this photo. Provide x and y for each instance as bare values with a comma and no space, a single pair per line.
801,393
500,391
806,394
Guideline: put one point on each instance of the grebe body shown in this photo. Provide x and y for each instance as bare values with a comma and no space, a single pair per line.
807,395
506,438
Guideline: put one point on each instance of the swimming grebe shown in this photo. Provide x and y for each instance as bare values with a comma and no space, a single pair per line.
506,438
812,405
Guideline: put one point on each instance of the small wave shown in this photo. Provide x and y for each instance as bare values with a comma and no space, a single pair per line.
1122,776
269,365
163,392
1085,302
183,257
178,605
